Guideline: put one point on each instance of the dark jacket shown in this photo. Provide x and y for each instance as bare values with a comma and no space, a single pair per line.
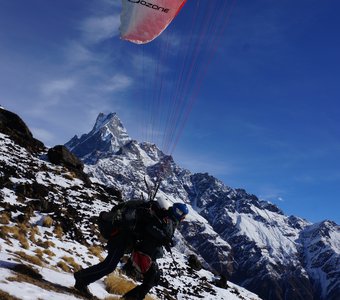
155,229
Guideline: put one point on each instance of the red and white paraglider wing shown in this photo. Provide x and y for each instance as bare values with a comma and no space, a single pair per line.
142,21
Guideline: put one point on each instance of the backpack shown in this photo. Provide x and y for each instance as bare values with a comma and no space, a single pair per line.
121,216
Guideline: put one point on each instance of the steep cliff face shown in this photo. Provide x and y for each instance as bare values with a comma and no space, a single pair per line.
320,244
249,240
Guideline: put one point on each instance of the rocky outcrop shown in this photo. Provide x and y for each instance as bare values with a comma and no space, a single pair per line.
43,187
60,155
13,126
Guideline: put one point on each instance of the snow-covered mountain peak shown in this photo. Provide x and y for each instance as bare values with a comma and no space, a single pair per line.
327,232
110,128
106,138
102,119
112,124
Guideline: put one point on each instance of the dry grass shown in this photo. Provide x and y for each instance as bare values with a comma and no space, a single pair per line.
9,230
47,222
29,275
23,241
45,244
96,251
31,236
70,261
4,231
30,258
23,228
62,265
33,232
21,236
16,232
5,218
39,253
58,231
2,234
117,284
48,252
6,296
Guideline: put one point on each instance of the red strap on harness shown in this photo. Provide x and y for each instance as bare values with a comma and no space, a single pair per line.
114,232
142,262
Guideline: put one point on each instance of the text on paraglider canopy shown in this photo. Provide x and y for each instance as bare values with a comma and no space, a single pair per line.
150,5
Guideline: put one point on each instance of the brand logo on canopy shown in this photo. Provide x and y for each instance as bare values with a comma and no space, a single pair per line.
151,5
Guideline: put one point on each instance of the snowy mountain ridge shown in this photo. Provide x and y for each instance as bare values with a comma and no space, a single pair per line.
248,240
108,133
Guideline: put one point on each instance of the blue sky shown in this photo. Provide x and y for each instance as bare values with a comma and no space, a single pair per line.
266,115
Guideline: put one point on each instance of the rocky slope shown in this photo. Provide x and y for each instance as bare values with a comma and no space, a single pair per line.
48,210
237,235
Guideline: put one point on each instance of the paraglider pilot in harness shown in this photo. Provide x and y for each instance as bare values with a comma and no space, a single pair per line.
142,228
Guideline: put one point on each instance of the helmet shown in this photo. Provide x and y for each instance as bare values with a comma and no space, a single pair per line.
179,211
163,202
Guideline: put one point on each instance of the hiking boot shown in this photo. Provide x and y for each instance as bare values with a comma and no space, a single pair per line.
134,294
83,289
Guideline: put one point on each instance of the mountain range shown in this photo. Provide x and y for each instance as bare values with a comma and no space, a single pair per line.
251,242
231,241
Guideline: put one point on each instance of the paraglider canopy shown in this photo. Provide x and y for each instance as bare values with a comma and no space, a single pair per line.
144,20
171,70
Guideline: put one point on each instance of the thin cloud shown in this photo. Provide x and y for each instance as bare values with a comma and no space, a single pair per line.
112,3
57,87
271,194
43,135
98,29
78,54
117,83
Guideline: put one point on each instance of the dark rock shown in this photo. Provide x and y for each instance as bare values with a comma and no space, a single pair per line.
194,262
23,218
34,190
60,155
222,282
111,194
42,205
13,126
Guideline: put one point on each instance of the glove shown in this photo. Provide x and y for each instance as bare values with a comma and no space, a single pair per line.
169,244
